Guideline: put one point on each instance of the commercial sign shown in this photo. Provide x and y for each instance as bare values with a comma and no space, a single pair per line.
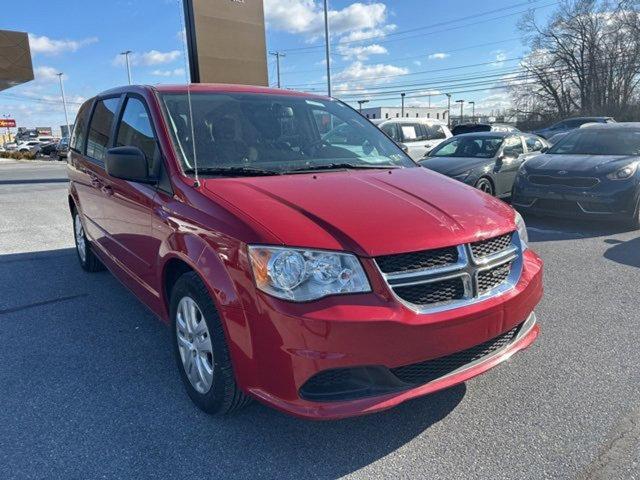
226,41
44,131
7,122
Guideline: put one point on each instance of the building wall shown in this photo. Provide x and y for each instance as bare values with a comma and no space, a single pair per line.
226,41
15,59
434,113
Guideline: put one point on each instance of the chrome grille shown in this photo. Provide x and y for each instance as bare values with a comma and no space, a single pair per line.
477,270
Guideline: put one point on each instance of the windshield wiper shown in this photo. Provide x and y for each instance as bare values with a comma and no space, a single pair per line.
234,171
341,166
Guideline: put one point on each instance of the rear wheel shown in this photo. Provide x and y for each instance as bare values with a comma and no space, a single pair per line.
201,350
634,220
88,260
485,185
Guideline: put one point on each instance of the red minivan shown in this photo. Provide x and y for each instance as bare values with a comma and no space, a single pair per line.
300,257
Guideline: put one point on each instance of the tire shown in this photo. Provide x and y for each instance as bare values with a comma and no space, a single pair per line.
86,257
634,220
210,383
484,185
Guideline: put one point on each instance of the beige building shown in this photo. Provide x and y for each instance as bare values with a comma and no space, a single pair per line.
226,40
434,113
15,59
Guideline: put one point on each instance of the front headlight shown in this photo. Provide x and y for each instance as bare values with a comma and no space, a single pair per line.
624,172
522,232
301,275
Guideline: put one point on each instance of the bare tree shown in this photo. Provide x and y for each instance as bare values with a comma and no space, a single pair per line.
585,60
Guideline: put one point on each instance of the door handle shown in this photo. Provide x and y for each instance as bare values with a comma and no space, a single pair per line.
107,190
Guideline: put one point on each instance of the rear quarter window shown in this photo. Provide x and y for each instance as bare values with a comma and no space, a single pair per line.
98,137
79,133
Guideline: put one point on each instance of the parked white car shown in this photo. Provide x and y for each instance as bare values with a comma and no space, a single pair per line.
31,146
418,135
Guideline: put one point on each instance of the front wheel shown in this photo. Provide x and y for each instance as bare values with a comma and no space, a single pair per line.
485,185
201,350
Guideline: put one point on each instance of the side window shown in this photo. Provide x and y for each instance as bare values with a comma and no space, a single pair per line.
135,129
513,147
390,129
100,128
435,132
534,144
79,133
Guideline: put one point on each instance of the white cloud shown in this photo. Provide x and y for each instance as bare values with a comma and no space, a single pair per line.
50,46
176,72
46,73
500,56
439,56
307,17
357,71
417,63
150,58
361,53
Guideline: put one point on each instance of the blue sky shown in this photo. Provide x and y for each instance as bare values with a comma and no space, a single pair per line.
381,47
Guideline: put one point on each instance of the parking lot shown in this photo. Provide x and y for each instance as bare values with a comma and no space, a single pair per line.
89,388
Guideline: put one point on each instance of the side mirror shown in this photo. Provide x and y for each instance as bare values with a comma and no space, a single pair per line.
544,149
404,148
128,163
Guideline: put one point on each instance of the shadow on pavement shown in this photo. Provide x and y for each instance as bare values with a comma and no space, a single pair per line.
90,389
542,229
28,181
626,253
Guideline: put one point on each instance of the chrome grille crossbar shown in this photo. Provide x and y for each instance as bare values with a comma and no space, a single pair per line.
467,268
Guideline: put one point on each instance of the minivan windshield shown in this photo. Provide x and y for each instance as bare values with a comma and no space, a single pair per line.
469,146
598,141
256,134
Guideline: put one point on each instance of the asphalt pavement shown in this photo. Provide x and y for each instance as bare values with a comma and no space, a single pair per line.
89,387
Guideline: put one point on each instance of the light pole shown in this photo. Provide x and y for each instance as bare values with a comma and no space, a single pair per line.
402,108
126,59
64,104
473,111
326,43
461,102
278,55
448,110
360,103
7,115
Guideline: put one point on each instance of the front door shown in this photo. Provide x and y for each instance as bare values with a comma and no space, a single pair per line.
129,206
508,164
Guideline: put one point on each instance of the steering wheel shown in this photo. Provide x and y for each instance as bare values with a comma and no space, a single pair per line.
312,146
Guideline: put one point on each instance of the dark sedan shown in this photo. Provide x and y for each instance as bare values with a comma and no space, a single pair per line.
488,161
591,172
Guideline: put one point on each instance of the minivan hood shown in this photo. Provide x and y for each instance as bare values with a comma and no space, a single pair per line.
373,212
452,166
579,164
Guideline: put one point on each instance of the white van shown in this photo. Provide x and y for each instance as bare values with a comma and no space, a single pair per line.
419,135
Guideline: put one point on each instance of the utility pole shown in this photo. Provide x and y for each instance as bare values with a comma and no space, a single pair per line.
473,111
278,55
360,102
64,104
126,59
326,43
448,110
402,109
461,102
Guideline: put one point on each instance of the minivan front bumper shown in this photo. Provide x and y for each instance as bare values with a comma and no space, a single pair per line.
366,336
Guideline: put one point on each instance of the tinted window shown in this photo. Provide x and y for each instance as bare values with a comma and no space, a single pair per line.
468,146
100,128
135,129
412,132
435,132
79,133
391,130
513,147
589,141
534,144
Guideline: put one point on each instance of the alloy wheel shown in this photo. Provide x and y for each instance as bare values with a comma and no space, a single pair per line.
194,345
81,243
485,186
